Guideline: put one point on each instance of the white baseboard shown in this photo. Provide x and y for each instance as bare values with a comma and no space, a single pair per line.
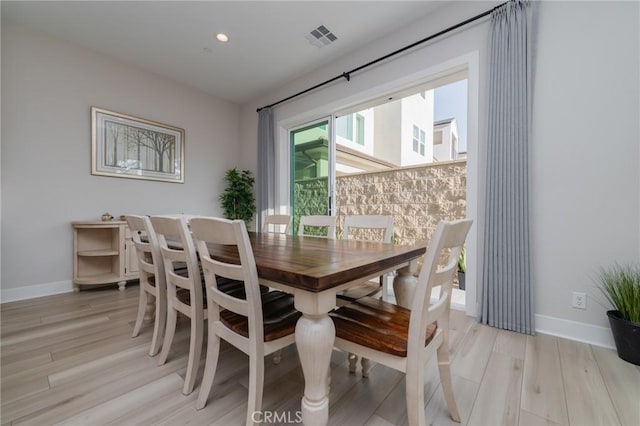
579,331
32,291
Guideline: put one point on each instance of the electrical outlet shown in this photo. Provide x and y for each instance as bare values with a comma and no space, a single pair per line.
579,300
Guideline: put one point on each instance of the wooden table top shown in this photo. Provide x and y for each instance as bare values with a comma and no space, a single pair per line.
317,264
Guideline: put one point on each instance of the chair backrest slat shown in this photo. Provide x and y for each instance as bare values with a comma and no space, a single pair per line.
382,222
328,222
277,223
215,268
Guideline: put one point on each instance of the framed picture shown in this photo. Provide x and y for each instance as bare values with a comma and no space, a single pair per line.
132,147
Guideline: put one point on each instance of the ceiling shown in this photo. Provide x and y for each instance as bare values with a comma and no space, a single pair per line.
267,46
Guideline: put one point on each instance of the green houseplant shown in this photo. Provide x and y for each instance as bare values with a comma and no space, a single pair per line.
620,285
462,270
238,201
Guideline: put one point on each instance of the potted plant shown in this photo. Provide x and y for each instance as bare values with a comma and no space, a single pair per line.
621,287
462,270
238,201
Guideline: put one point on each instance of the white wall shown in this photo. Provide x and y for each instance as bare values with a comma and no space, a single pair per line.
417,111
388,132
48,87
585,171
585,181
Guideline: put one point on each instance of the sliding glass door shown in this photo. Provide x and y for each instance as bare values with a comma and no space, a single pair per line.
312,170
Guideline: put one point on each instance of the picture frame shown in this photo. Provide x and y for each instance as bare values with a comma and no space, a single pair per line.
125,146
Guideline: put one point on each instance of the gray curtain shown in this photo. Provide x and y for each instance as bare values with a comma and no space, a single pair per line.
266,177
507,301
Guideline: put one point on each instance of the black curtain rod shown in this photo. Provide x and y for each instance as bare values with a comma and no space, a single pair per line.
347,75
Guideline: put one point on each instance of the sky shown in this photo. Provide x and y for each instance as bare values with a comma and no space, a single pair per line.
451,101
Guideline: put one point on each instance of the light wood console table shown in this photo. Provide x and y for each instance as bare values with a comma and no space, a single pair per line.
103,253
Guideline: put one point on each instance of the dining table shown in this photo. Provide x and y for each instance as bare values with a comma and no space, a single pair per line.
314,270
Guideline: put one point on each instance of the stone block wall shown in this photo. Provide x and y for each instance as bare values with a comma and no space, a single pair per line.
417,197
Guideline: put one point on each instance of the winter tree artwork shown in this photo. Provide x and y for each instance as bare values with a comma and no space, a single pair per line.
131,147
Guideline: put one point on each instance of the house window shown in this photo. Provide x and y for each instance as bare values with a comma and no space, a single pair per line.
359,129
419,137
344,127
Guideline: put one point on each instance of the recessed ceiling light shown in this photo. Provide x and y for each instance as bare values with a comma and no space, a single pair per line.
222,37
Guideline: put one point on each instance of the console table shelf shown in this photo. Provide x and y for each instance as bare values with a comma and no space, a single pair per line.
103,253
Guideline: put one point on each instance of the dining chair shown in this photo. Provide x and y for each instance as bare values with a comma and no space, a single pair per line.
405,339
184,290
258,325
359,226
152,278
277,223
380,226
318,221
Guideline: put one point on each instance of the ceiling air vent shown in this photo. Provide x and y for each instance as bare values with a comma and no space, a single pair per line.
321,37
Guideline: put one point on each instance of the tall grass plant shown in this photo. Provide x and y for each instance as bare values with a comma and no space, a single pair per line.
620,285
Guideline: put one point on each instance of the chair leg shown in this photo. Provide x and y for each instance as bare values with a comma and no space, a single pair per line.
195,351
256,383
277,356
210,366
415,395
142,303
353,361
365,367
172,317
444,366
158,326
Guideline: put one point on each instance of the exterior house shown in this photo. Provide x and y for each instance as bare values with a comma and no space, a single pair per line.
400,133
445,140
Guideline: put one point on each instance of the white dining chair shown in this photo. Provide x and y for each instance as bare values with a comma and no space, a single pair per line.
405,339
277,223
318,221
371,228
259,325
184,290
366,227
151,277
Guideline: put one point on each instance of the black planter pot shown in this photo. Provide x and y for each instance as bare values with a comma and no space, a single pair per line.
461,280
626,334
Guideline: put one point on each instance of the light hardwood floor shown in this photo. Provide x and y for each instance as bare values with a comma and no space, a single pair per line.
70,359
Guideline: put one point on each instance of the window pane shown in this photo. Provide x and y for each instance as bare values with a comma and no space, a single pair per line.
415,131
309,185
344,127
359,129
422,150
422,136
415,145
